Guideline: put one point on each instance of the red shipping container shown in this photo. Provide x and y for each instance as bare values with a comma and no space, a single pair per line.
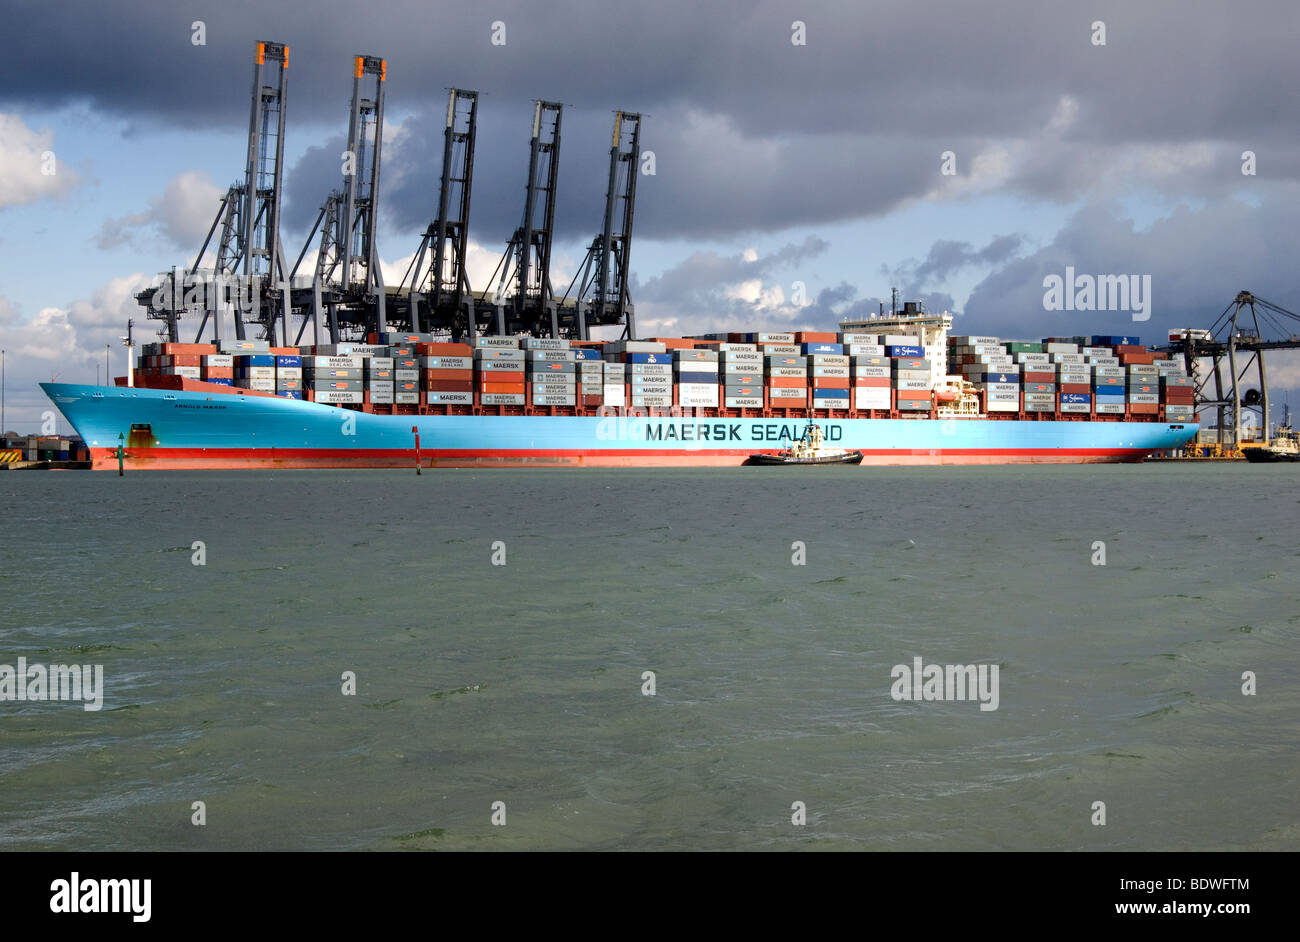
443,385
1075,388
444,349
830,382
218,372
787,382
1180,397
181,359
913,395
447,375
1130,348
1037,377
1143,408
872,382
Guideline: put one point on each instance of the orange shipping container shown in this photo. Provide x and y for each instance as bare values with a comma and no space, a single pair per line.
181,359
789,382
449,375
872,382
219,372
189,348
913,395
444,349
508,389
811,336
497,377
830,382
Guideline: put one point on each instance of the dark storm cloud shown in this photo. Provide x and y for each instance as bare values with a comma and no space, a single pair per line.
1197,259
750,132
947,257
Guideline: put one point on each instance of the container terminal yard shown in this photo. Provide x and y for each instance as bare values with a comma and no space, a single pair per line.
510,375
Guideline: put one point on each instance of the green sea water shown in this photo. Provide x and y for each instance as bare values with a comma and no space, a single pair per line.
525,684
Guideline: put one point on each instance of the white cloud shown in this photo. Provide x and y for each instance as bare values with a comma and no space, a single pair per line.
27,158
181,214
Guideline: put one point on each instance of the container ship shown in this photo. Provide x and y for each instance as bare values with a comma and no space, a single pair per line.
897,388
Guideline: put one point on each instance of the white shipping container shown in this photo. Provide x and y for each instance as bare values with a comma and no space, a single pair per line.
444,398
510,343
1109,408
635,346
502,399
335,397
185,372
699,401
782,392
868,398
866,349
782,349
219,360
900,340
743,402
1003,405
429,363
1003,389
738,347
795,371
828,359
333,363
543,399
850,338
614,395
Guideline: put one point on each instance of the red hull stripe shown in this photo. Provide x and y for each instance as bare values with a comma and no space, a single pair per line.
226,458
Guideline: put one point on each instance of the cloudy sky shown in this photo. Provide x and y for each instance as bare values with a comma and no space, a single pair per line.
775,162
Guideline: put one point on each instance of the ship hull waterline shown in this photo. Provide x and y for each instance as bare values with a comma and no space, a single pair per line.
176,430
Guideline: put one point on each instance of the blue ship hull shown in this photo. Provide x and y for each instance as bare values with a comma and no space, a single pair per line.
174,429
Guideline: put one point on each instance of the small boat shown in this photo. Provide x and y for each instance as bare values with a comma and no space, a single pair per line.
1285,447
808,450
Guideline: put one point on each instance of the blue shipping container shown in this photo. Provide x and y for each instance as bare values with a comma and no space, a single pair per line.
1077,398
835,349
1115,342
905,351
685,377
1114,392
833,394
257,359
290,393
585,353
220,382
648,358
288,360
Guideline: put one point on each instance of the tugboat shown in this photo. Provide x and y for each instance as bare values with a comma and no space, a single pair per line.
1284,447
808,450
